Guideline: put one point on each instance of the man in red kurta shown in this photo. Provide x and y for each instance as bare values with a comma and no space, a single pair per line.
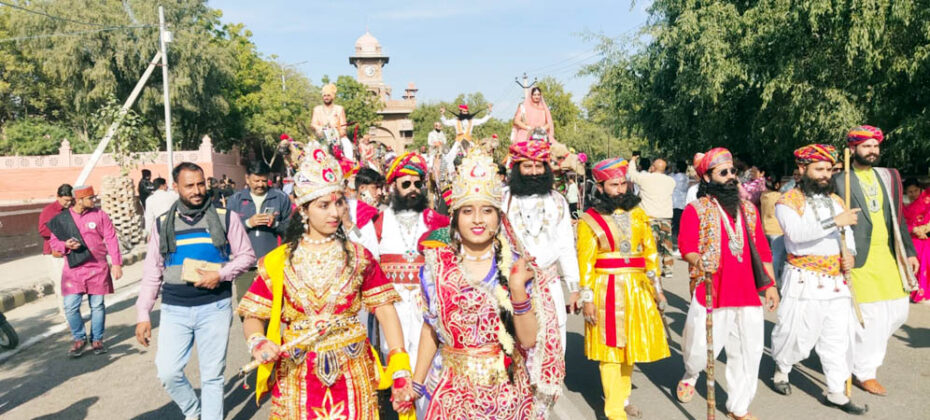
721,234
54,262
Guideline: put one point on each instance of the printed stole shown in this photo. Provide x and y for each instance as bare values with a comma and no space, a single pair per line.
611,305
463,131
710,231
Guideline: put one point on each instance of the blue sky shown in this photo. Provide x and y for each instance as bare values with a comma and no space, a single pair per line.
445,47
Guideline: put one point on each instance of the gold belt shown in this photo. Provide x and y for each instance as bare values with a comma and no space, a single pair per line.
480,365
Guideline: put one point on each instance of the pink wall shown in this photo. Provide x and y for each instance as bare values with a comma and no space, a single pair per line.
36,178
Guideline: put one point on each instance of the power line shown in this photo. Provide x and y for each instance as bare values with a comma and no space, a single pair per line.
40,13
112,28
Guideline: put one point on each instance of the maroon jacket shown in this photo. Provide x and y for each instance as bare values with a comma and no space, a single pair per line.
48,213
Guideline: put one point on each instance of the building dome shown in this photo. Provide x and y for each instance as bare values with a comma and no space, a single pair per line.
367,45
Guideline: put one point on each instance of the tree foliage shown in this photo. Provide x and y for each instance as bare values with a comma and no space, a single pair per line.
220,84
765,77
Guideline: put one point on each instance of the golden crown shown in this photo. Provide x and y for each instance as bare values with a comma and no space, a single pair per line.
317,173
476,180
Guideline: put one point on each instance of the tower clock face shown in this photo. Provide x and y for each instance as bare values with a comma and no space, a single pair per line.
369,70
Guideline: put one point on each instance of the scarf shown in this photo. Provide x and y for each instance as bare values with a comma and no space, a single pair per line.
64,227
168,244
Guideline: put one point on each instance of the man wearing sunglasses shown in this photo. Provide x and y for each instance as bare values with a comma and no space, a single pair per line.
721,236
399,229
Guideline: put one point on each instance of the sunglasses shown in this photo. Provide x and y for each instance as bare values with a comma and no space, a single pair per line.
406,184
725,172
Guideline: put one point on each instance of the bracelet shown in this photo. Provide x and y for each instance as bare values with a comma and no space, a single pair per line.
401,374
587,295
520,308
256,340
421,391
395,350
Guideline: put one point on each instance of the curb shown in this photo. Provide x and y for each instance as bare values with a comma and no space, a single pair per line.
13,298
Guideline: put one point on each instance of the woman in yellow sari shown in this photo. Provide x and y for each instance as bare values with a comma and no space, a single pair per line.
619,267
308,292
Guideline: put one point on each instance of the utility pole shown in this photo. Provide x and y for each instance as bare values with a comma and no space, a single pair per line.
164,37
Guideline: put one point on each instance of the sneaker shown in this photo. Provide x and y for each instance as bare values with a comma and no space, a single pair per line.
77,348
98,347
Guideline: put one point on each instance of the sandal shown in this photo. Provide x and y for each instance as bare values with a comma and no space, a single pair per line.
685,392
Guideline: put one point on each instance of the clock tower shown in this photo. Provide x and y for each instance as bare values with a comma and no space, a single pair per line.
395,131
369,62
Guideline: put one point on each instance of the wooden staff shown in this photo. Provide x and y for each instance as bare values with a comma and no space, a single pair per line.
709,326
844,251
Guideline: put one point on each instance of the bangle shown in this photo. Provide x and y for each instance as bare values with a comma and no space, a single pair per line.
256,340
587,295
401,374
394,351
520,308
421,391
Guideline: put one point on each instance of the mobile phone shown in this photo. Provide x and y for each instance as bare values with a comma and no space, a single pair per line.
268,210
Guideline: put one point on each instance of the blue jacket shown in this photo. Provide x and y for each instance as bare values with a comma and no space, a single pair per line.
263,238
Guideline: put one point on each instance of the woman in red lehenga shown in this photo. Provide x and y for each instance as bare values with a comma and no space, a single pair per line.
917,215
309,291
477,309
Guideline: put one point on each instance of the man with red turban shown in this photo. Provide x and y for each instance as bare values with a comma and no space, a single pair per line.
542,223
721,236
815,310
464,122
620,290
885,259
398,230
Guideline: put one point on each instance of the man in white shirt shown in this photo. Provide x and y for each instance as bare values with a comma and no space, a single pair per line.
158,202
656,189
679,196
436,140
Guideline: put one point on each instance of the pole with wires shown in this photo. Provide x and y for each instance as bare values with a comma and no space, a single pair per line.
164,37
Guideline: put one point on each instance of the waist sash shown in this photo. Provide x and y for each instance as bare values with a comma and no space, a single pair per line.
821,264
402,269
480,365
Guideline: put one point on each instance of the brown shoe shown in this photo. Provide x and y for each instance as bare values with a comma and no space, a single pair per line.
871,386
98,347
77,348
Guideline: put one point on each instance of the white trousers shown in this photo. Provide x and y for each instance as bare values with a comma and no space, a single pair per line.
411,322
870,344
558,297
824,325
54,267
740,331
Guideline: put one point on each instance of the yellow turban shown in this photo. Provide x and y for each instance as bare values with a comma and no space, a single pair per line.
329,89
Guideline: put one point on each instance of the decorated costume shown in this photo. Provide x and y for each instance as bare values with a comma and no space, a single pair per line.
619,272
881,278
917,215
469,378
542,223
536,116
815,311
303,290
464,124
398,236
723,243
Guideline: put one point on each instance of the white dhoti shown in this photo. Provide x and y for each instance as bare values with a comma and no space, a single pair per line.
411,320
824,325
740,331
882,319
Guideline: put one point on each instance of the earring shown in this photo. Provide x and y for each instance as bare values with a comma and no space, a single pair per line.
305,218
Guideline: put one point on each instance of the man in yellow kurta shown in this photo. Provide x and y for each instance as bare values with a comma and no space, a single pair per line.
620,275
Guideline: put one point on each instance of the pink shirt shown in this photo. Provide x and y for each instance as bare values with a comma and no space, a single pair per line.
733,282
93,276
241,258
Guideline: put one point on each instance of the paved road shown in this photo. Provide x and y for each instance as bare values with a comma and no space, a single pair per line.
40,382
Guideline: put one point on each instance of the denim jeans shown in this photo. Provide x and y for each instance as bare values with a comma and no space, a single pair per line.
779,256
98,313
181,327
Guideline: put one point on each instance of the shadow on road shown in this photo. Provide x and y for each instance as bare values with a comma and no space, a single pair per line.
51,360
78,410
916,337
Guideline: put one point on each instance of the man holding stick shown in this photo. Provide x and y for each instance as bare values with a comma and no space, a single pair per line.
815,312
722,236
885,261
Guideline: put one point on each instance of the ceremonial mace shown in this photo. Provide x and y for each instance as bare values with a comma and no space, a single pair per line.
844,252
709,326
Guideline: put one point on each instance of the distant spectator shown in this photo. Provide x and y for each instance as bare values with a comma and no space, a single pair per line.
158,203
54,261
145,186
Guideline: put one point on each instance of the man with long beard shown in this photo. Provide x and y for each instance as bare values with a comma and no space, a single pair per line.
886,259
542,223
399,229
817,301
722,236
619,262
